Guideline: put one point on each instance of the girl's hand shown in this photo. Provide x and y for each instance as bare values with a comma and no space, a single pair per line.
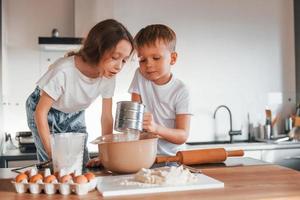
149,124
95,162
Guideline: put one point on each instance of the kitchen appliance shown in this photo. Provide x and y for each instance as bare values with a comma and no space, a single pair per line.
129,117
26,142
200,156
126,153
67,152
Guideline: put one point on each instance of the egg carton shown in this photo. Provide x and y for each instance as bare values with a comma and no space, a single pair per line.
52,188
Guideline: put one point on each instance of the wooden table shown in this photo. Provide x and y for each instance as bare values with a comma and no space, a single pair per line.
242,182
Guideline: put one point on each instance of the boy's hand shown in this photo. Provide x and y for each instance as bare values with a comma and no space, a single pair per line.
149,124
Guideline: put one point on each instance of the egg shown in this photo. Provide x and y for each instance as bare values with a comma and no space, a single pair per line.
35,178
89,176
49,179
41,173
21,177
65,178
80,179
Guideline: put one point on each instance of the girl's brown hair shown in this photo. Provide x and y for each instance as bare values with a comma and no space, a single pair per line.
103,37
150,34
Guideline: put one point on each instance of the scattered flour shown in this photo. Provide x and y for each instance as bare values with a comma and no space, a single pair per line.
162,176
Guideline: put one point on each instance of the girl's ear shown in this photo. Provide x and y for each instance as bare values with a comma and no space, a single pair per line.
173,58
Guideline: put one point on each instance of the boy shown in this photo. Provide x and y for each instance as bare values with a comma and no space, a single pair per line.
165,97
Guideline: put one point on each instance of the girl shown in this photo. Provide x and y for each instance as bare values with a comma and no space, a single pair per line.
72,83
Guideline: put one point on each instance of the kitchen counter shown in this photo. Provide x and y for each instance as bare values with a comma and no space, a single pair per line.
16,155
245,146
251,181
285,153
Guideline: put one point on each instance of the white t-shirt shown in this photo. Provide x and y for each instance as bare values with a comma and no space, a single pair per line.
71,90
164,102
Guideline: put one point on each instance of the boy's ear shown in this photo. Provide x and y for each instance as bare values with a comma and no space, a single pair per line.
173,58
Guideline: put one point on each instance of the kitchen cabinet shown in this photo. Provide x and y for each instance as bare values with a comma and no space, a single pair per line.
52,48
286,157
15,158
47,58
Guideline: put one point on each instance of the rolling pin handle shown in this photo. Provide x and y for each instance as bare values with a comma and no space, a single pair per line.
165,159
235,153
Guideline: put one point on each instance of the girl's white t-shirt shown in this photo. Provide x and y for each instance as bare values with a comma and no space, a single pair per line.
164,102
71,90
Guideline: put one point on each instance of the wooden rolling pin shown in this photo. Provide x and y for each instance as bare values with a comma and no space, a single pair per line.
200,156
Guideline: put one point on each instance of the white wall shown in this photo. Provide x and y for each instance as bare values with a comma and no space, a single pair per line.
24,22
88,13
238,53
234,52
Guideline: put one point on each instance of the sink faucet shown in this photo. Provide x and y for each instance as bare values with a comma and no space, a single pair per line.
231,132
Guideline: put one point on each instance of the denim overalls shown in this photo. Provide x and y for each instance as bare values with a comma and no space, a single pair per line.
59,122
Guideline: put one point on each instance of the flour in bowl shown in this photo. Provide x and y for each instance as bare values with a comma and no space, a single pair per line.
162,176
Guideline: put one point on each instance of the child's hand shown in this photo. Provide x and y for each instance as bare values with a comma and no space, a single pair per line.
149,124
95,162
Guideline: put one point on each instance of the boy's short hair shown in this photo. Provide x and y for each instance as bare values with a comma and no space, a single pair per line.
150,34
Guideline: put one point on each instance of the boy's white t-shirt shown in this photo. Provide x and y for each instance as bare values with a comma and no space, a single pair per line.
164,102
71,90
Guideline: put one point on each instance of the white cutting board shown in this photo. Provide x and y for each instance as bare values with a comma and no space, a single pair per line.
110,186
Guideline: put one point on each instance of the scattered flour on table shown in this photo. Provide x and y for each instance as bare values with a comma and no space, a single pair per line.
162,176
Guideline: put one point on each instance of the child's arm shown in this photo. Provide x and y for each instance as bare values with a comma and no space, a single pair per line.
177,135
41,120
106,116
